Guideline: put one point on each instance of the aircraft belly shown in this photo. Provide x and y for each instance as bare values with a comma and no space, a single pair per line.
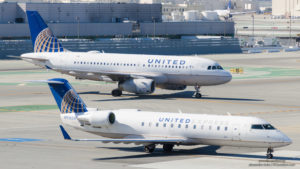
236,143
192,80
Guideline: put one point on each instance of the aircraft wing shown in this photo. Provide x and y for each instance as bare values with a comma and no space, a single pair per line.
119,76
133,139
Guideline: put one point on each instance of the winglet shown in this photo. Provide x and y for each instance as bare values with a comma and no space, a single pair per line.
64,133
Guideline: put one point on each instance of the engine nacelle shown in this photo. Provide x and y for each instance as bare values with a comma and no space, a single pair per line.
138,86
172,86
98,119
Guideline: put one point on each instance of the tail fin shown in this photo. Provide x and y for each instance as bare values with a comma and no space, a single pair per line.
42,38
66,97
229,5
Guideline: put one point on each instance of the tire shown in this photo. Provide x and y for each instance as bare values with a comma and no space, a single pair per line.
116,92
168,148
198,95
149,149
269,156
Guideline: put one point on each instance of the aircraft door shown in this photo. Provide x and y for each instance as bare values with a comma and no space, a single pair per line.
236,132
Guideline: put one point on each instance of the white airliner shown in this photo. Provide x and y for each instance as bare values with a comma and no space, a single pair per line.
226,14
169,129
139,74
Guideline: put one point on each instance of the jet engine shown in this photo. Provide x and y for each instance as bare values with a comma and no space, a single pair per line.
98,119
138,86
172,86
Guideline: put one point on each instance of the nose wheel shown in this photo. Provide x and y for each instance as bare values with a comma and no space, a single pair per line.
269,153
197,93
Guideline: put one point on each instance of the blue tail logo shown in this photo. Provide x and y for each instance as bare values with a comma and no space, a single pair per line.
42,38
229,5
66,97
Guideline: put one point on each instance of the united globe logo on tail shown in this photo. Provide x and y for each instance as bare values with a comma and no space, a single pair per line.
47,42
71,103
42,38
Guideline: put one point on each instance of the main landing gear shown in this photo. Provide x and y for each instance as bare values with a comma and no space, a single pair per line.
116,92
167,148
269,153
197,93
149,148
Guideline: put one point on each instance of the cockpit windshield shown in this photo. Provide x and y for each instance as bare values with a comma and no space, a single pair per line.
262,127
214,67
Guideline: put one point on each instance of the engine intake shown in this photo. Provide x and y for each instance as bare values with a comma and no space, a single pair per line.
98,119
138,86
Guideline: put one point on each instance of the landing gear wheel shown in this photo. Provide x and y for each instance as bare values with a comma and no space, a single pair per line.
269,153
168,147
149,148
269,156
116,92
198,95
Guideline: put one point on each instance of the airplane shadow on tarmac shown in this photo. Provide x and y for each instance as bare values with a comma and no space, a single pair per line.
172,96
207,151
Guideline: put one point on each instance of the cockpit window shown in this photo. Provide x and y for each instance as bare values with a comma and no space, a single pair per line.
268,127
209,68
219,67
257,126
214,67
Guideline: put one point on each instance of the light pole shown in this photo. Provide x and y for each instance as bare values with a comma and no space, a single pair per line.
77,18
154,27
252,27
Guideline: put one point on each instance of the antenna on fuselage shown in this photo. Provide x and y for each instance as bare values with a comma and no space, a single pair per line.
229,114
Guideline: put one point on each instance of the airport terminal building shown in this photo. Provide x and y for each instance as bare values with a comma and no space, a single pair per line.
103,19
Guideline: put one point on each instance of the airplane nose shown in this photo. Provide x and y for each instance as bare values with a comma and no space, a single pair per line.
287,140
227,76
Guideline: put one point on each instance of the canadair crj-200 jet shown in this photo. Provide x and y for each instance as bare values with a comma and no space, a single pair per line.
169,129
138,74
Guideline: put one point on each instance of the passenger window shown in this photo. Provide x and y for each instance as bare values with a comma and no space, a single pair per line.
172,125
186,126
157,124
218,128
179,125
165,124
257,126
194,126
143,123
226,128
209,68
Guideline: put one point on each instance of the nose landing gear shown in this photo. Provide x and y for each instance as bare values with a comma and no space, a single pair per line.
269,153
197,93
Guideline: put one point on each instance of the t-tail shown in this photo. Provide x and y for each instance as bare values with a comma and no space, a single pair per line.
42,38
66,97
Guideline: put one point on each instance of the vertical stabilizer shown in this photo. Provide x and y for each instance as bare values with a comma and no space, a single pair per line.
42,38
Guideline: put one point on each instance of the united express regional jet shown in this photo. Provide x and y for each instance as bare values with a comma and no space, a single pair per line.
169,129
139,74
